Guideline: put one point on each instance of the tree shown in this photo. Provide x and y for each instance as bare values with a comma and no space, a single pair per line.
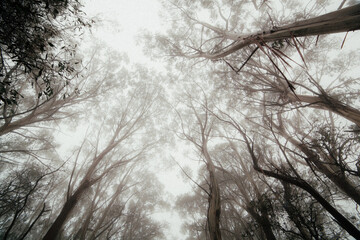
28,27
243,190
214,42
292,176
200,134
120,150
19,202
31,34
119,206
28,132
295,144
217,38
214,209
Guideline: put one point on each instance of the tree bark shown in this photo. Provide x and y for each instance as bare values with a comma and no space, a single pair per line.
326,102
214,209
69,205
339,218
344,20
296,218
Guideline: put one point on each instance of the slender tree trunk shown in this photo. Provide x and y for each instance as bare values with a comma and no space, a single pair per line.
69,205
214,209
263,221
339,180
291,210
339,218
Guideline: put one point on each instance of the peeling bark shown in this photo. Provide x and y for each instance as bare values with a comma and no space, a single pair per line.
344,20
325,102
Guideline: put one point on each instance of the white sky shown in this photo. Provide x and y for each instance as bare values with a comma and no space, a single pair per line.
121,22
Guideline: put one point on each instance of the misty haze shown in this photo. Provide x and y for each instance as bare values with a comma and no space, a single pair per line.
179,120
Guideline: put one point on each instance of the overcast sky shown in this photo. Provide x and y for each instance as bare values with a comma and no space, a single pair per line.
121,21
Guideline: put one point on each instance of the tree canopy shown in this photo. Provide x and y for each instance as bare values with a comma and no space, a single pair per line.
262,96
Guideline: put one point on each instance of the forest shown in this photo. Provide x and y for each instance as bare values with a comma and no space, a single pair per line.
261,96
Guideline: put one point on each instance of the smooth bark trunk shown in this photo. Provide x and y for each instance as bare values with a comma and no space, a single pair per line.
214,209
344,20
325,102
69,205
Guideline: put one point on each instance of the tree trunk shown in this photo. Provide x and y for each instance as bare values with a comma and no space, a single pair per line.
339,180
69,205
296,218
263,221
339,218
344,20
214,209
326,102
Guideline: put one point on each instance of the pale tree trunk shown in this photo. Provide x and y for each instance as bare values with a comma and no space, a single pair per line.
263,218
214,209
326,102
344,20
339,218
341,181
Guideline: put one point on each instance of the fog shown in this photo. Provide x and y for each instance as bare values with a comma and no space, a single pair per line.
152,119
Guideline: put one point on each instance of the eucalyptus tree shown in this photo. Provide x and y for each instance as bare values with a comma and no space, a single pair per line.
199,132
327,151
110,152
119,207
196,37
34,35
273,101
41,74
244,192
212,31
23,200
274,156
30,131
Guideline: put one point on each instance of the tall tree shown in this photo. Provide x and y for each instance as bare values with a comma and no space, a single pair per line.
20,207
119,150
218,40
200,135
